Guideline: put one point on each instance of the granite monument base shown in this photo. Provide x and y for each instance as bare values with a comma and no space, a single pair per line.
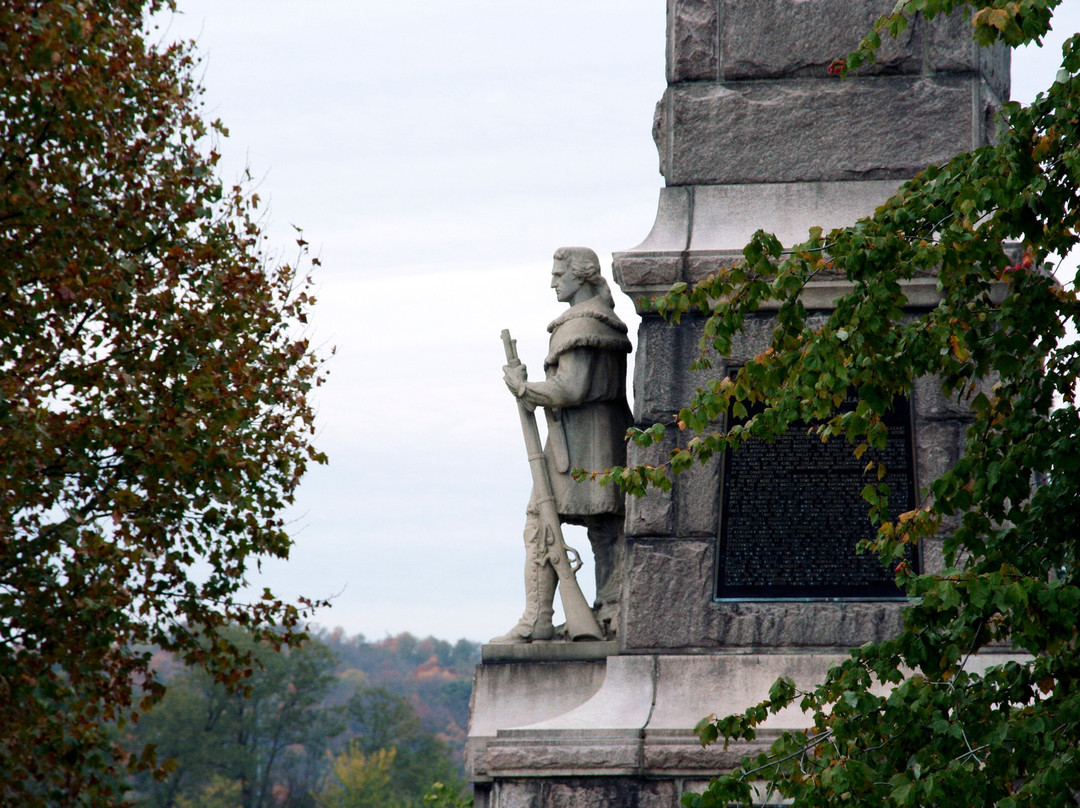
550,731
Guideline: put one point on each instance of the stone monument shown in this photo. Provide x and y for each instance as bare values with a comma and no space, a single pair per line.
721,592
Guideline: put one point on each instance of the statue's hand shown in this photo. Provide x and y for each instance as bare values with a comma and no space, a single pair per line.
515,376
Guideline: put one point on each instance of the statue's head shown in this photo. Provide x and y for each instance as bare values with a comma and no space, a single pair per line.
581,267
581,262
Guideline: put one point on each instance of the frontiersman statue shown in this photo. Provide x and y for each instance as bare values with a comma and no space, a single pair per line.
584,398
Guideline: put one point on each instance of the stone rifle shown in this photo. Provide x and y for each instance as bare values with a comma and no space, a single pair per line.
580,622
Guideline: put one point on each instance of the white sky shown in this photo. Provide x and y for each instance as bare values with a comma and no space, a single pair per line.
435,155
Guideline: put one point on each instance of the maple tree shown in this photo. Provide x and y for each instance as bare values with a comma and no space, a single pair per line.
908,721
154,383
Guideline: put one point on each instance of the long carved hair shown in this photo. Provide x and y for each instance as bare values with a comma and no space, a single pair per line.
585,267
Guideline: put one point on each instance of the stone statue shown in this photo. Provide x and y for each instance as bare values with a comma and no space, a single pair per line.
584,398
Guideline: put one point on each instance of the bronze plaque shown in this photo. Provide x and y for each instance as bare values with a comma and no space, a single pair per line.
792,513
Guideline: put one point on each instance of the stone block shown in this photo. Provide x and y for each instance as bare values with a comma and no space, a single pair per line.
932,403
767,39
755,337
786,38
603,793
725,217
691,687
517,794
547,685
702,265
651,514
801,130
930,400
684,754
950,48
613,715
666,592
554,754
697,497
670,607
693,45
695,786
547,651
517,694
692,329
938,445
932,556
699,229
801,625
659,354
658,272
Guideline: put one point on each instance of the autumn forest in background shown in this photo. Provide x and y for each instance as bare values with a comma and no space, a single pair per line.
341,721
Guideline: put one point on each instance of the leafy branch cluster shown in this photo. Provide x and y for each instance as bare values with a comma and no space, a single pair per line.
912,720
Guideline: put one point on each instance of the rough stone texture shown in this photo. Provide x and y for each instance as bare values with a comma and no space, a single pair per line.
651,514
932,556
656,390
950,48
931,401
669,606
697,497
626,793
685,755
938,445
755,337
656,271
668,585
787,38
585,792
693,44
547,754
694,786
514,794
802,130
663,382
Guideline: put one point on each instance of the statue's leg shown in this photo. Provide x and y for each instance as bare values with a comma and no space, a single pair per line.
608,542
540,583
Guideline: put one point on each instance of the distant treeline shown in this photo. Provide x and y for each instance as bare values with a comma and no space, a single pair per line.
340,723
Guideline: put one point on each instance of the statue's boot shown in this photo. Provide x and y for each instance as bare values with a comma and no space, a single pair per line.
535,623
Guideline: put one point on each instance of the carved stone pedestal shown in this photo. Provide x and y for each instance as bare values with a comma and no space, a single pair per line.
617,731
593,733
753,133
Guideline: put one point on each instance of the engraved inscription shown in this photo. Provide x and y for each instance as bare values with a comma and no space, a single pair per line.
792,514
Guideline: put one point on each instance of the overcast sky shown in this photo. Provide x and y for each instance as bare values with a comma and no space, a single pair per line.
436,154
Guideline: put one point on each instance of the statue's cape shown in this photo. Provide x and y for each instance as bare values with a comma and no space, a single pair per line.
591,324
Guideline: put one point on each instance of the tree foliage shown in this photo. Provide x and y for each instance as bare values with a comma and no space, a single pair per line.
381,720
359,780
301,715
267,739
909,721
154,417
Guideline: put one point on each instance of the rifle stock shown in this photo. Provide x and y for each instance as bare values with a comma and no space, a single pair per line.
580,621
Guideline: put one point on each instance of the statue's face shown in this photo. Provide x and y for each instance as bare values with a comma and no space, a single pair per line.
563,282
